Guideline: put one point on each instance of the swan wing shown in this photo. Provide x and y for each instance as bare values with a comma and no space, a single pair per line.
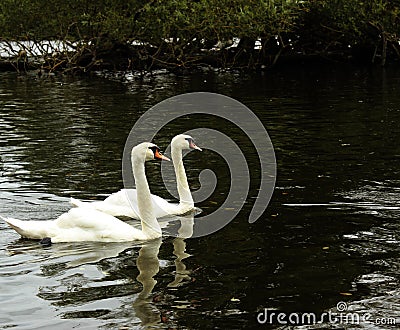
124,203
161,207
85,224
117,204
164,208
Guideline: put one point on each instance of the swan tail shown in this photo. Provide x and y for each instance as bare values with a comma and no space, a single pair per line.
78,203
28,229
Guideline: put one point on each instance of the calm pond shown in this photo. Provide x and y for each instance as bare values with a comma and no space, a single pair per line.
329,236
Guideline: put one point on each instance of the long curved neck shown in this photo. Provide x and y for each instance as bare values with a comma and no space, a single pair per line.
150,225
185,196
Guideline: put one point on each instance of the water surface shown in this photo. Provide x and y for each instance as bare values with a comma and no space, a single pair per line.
330,234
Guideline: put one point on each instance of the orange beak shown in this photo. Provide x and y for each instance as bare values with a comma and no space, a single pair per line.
160,156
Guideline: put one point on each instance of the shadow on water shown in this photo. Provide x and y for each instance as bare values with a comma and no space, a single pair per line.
330,234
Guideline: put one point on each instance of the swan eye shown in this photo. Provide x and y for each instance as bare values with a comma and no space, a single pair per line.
154,149
157,153
192,145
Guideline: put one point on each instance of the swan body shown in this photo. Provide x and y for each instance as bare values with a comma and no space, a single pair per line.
78,225
124,202
88,224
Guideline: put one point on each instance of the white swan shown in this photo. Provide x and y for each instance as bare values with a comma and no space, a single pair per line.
86,224
124,202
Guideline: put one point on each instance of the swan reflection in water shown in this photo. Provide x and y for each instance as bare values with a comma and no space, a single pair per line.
148,265
63,262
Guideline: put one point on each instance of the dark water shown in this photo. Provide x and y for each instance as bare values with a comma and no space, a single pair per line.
330,234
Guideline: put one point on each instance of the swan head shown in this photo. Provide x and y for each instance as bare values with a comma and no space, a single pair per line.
184,142
147,151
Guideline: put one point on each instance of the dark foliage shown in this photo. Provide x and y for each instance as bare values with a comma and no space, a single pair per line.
136,34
